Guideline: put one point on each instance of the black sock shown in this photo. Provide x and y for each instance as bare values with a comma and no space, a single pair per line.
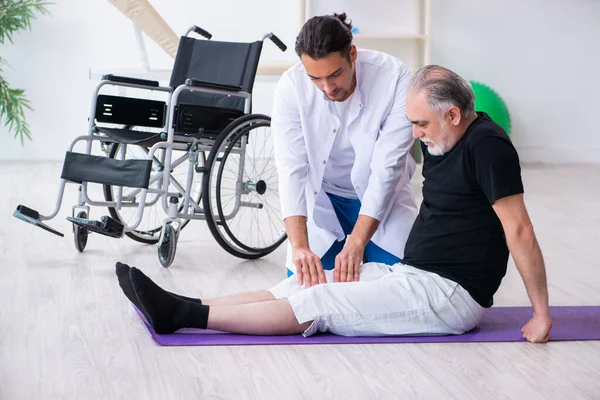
125,271
167,313
122,271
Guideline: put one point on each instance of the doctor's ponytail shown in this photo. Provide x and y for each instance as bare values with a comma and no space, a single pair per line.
344,20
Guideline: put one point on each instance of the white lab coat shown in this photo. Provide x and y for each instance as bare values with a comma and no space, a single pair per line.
303,125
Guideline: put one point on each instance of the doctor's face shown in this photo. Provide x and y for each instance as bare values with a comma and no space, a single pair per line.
333,74
428,125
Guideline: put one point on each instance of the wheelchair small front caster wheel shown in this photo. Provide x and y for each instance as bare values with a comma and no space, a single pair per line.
166,249
80,234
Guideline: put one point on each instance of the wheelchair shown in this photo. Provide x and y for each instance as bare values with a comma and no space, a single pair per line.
197,154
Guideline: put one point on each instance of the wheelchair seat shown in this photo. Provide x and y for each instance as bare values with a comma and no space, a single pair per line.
131,136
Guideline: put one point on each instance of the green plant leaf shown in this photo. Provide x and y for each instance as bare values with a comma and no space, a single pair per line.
16,15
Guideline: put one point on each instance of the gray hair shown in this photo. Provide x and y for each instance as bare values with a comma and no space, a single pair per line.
444,89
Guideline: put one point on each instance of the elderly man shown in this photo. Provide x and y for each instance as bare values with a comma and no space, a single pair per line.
456,254
342,146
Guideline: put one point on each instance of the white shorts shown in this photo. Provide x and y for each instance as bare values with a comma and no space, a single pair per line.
388,300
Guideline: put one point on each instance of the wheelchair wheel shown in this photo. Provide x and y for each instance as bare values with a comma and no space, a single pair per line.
166,250
149,229
80,234
241,189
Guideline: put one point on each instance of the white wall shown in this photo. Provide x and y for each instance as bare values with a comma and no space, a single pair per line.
541,56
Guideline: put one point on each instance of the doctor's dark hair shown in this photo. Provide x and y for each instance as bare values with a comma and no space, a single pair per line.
323,35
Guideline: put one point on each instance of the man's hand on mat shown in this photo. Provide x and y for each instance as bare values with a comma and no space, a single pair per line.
347,262
309,270
537,330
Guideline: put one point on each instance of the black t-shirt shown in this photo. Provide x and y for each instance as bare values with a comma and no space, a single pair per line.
457,234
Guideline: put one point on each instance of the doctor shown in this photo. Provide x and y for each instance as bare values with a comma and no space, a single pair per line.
342,143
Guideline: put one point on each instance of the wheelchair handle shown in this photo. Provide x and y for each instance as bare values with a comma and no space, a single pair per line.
199,31
275,40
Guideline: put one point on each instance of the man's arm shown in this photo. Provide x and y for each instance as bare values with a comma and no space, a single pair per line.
387,166
526,252
292,166
308,265
290,152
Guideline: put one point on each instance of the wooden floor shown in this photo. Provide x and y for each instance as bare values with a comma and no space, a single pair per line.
67,331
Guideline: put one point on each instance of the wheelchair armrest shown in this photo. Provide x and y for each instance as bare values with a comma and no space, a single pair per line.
125,79
211,85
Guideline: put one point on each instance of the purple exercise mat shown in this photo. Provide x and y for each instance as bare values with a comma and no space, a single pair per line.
500,324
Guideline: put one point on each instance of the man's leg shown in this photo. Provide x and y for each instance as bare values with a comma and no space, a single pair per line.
122,271
167,313
397,300
277,317
374,253
274,317
241,298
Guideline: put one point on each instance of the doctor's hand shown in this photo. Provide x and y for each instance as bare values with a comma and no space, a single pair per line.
309,270
347,262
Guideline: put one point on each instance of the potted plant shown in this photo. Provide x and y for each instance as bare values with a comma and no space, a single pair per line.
16,15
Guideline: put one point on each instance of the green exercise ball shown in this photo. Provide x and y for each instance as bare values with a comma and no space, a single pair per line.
488,101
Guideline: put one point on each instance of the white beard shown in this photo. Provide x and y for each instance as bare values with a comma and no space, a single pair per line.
438,149
433,148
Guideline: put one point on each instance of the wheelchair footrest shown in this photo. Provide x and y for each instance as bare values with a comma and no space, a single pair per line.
106,226
31,216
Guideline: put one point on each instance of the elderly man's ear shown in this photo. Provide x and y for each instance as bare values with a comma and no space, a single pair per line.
454,116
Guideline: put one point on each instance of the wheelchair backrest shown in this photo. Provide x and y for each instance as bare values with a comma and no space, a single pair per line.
227,63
